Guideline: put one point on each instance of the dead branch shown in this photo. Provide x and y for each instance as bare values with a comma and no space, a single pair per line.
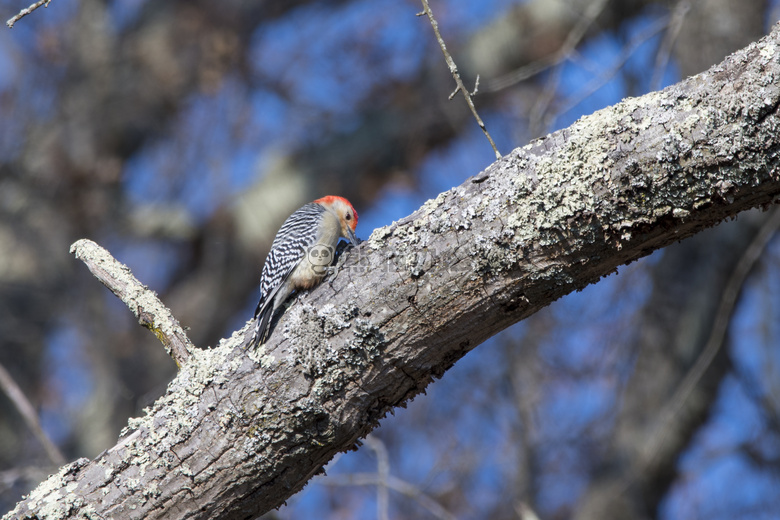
141,301
24,12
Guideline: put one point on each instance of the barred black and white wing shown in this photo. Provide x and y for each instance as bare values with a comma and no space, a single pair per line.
289,248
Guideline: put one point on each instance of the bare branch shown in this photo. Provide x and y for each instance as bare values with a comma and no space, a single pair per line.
24,12
662,58
717,335
396,484
143,303
383,472
22,404
456,75
567,49
626,53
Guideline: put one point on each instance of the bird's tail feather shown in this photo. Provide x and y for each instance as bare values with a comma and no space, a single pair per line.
262,321
263,314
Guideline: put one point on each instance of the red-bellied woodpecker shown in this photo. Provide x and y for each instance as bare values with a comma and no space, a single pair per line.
300,255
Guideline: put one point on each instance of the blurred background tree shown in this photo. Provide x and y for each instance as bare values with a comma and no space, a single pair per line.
180,134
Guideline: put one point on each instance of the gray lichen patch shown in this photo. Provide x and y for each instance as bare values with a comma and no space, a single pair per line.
378,236
330,365
258,355
208,366
171,420
54,498
367,345
307,329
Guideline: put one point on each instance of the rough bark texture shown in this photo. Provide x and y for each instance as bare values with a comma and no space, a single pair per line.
237,433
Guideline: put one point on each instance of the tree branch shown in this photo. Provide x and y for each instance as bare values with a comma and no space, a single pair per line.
27,411
456,76
237,433
24,12
143,303
594,9
714,342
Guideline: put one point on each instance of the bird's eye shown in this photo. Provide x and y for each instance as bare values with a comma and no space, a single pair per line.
349,216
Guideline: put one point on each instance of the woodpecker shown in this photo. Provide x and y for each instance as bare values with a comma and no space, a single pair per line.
300,255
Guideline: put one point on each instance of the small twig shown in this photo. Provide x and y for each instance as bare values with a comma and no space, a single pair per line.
24,12
27,410
143,303
456,75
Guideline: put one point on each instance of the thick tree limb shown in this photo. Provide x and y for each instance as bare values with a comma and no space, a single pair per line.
238,433
142,301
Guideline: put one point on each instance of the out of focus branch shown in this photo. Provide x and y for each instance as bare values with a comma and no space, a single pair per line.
383,472
25,408
396,484
717,335
24,12
143,302
525,512
564,53
665,51
456,75
625,54
385,482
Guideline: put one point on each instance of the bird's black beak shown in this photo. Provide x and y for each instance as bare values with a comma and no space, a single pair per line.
351,236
